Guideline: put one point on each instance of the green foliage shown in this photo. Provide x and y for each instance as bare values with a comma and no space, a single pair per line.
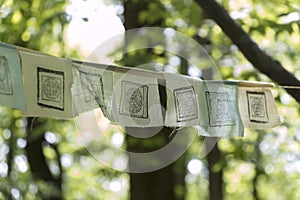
35,24
14,174
263,164
40,25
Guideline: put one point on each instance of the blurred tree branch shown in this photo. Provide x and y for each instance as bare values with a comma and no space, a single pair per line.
259,58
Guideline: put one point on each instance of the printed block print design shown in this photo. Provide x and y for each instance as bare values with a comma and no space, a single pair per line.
257,107
134,100
219,110
186,104
5,77
50,88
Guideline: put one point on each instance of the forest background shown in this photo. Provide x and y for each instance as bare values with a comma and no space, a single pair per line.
44,159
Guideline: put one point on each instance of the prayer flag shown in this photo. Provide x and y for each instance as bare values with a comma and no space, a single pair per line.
11,83
47,83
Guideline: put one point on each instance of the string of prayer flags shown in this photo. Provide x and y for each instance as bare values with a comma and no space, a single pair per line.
223,112
257,107
48,82
136,101
46,86
11,84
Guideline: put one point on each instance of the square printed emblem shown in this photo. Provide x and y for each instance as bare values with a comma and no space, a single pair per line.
134,100
50,88
257,107
186,104
219,110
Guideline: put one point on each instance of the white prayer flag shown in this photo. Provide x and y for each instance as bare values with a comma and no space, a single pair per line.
92,89
136,101
258,108
185,101
223,113
47,83
11,83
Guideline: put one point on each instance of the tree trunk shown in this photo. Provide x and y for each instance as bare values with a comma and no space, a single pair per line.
38,163
215,177
159,184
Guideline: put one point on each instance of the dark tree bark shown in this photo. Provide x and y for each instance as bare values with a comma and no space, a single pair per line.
259,167
259,59
215,177
37,161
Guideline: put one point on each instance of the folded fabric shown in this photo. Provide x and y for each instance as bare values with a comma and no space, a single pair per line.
136,101
47,83
92,89
223,112
185,101
11,83
258,108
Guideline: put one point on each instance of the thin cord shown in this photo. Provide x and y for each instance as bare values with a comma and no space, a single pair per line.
288,87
